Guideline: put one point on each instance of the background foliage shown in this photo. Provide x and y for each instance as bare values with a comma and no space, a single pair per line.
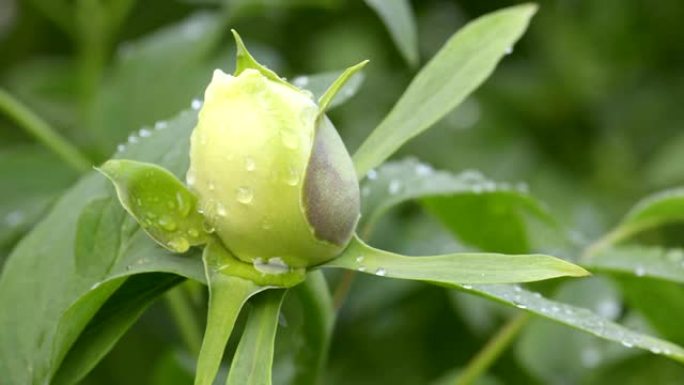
585,113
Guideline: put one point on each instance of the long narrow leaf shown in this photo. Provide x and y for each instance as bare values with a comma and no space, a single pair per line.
464,62
253,359
454,269
227,295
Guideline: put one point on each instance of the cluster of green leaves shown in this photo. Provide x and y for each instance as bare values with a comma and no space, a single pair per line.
88,271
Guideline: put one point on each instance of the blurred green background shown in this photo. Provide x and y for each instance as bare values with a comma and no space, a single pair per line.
587,111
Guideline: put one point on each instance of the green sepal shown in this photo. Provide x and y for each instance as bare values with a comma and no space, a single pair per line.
328,96
217,257
253,360
159,202
244,60
454,269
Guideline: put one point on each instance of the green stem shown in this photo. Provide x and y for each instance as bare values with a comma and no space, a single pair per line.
495,346
42,131
184,315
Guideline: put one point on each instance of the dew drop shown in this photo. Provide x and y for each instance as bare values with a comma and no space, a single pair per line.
292,177
467,287
360,258
266,224
179,243
190,178
144,133
249,164
196,104
244,195
372,174
300,81
639,271
167,224
627,344
590,357
160,125
15,218
184,206
394,187
221,210
520,305
423,169
509,50
381,272
120,148
361,268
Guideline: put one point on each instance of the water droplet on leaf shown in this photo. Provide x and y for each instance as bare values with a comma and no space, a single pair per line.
244,195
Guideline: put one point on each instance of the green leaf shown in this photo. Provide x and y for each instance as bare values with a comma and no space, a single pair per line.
401,24
254,356
640,261
576,317
581,353
656,210
465,203
154,77
302,347
464,62
161,204
42,269
227,295
318,84
32,179
660,303
110,323
325,101
454,269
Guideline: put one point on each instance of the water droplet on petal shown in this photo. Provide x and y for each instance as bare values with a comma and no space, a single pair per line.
221,210
249,164
292,177
244,195
190,178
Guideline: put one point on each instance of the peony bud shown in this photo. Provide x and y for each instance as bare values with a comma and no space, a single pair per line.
272,175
